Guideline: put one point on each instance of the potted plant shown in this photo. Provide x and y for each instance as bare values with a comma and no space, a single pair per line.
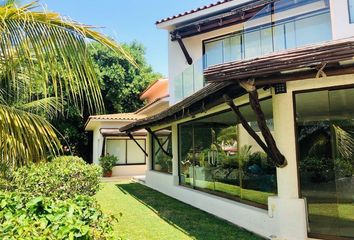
107,163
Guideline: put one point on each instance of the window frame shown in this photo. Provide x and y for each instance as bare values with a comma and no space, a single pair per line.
215,193
152,139
257,28
126,150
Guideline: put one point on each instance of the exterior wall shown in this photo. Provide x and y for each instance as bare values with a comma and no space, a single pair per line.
341,26
134,170
286,216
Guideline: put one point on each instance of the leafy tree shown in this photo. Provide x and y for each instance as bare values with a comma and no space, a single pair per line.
48,56
121,84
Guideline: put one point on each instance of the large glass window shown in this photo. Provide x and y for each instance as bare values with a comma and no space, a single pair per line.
126,150
325,130
162,151
218,156
261,36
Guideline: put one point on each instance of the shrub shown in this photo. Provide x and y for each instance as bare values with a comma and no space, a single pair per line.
64,177
25,217
107,163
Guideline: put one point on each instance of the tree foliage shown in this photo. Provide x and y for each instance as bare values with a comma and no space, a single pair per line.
47,56
120,82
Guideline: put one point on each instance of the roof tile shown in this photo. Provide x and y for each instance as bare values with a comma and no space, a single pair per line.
193,11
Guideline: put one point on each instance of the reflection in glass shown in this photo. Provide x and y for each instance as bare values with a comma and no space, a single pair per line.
325,125
161,161
218,156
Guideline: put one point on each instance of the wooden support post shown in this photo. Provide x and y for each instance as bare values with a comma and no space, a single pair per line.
278,159
136,142
245,125
158,142
184,49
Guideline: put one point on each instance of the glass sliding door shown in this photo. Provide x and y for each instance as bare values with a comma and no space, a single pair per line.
325,129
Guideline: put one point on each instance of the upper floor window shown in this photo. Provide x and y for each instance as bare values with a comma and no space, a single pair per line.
351,10
271,35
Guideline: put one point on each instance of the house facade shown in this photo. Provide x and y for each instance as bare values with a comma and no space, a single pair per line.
260,131
109,140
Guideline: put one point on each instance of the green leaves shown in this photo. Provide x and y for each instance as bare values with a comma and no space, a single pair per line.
25,217
62,178
108,162
121,83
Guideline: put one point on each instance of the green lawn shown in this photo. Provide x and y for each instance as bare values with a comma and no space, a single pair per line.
147,214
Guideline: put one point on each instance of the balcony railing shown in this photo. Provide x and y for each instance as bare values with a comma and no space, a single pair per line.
272,29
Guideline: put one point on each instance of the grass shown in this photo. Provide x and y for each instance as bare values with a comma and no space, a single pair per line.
147,214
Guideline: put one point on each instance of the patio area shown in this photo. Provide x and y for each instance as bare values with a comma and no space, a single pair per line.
144,213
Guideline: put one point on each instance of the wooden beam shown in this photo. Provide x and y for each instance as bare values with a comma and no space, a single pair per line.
245,124
136,142
103,147
270,148
158,142
184,50
278,159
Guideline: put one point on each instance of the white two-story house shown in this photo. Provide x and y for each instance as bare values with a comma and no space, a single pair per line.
260,130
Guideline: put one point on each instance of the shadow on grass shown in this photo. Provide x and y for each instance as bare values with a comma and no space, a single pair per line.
194,222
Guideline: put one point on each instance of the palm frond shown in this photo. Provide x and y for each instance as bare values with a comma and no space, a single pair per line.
54,48
25,137
48,106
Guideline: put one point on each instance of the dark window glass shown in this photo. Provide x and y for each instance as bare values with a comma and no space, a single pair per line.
161,161
325,127
218,156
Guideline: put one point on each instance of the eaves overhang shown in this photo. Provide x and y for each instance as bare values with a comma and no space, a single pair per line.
326,59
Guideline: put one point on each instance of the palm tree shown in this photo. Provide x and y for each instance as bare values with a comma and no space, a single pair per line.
44,61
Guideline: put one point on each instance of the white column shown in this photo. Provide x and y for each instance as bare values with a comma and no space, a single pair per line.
175,154
97,145
284,129
287,209
148,151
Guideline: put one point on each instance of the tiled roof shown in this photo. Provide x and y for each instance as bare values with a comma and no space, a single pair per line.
193,11
119,116
152,103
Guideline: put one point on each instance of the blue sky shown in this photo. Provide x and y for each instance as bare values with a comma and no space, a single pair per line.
128,20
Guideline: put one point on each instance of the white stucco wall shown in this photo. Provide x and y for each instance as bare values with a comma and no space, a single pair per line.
286,216
341,26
